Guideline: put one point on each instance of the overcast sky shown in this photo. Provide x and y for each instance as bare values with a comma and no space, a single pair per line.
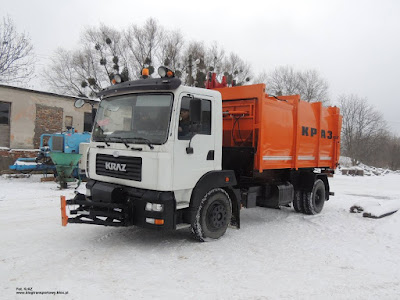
355,45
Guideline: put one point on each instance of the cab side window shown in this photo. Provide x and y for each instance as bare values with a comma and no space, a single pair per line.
187,128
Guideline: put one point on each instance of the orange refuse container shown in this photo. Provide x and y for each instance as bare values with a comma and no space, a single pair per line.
285,132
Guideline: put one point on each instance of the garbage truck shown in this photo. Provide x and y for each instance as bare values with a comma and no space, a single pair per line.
165,156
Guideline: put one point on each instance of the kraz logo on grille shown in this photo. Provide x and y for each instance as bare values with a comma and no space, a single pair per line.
115,166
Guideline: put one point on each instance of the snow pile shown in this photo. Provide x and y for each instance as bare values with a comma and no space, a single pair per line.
345,162
346,168
370,171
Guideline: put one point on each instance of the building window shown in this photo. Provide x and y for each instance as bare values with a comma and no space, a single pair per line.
68,122
88,122
5,109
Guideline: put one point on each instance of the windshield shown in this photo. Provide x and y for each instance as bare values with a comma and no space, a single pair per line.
135,118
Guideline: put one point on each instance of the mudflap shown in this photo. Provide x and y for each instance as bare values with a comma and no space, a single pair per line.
85,211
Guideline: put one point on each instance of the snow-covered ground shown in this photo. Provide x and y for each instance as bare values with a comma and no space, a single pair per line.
277,254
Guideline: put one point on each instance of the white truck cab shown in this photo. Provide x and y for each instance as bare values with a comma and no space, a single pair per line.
143,127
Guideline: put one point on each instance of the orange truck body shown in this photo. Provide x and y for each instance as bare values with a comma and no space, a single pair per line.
287,133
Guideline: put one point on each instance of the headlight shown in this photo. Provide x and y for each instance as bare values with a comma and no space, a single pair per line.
116,79
165,72
154,207
162,71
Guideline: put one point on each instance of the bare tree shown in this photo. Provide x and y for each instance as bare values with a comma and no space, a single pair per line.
75,73
287,81
62,75
142,44
394,153
86,71
91,75
194,64
283,80
105,46
261,78
215,57
104,51
171,51
16,54
313,88
236,69
363,129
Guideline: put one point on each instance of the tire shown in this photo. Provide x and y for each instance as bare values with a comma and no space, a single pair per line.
298,204
213,215
314,200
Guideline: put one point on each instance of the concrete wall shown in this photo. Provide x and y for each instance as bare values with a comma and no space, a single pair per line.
24,122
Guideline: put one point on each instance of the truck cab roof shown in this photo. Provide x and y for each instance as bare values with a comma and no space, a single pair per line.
155,84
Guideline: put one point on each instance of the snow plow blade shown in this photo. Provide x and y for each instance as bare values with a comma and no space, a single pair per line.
98,213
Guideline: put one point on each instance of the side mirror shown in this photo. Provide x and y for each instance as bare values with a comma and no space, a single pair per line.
79,103
195,110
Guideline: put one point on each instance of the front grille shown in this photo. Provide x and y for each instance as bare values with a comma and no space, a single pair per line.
124,167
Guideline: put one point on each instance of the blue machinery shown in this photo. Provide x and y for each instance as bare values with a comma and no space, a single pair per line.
60,154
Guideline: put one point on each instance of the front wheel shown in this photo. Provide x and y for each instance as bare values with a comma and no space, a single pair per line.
213,215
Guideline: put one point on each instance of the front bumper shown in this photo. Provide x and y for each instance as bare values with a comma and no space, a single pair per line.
115,205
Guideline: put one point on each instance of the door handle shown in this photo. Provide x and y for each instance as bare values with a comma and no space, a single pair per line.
210,155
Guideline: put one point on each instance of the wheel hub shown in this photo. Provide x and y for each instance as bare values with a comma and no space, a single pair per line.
318,199
217,216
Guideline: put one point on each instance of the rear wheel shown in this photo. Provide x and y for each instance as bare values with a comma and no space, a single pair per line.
213,215
298,204
314,200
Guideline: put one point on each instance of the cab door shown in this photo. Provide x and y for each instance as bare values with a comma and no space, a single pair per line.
194,149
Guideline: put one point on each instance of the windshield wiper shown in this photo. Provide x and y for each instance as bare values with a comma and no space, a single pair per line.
124,140
147,141
103,139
